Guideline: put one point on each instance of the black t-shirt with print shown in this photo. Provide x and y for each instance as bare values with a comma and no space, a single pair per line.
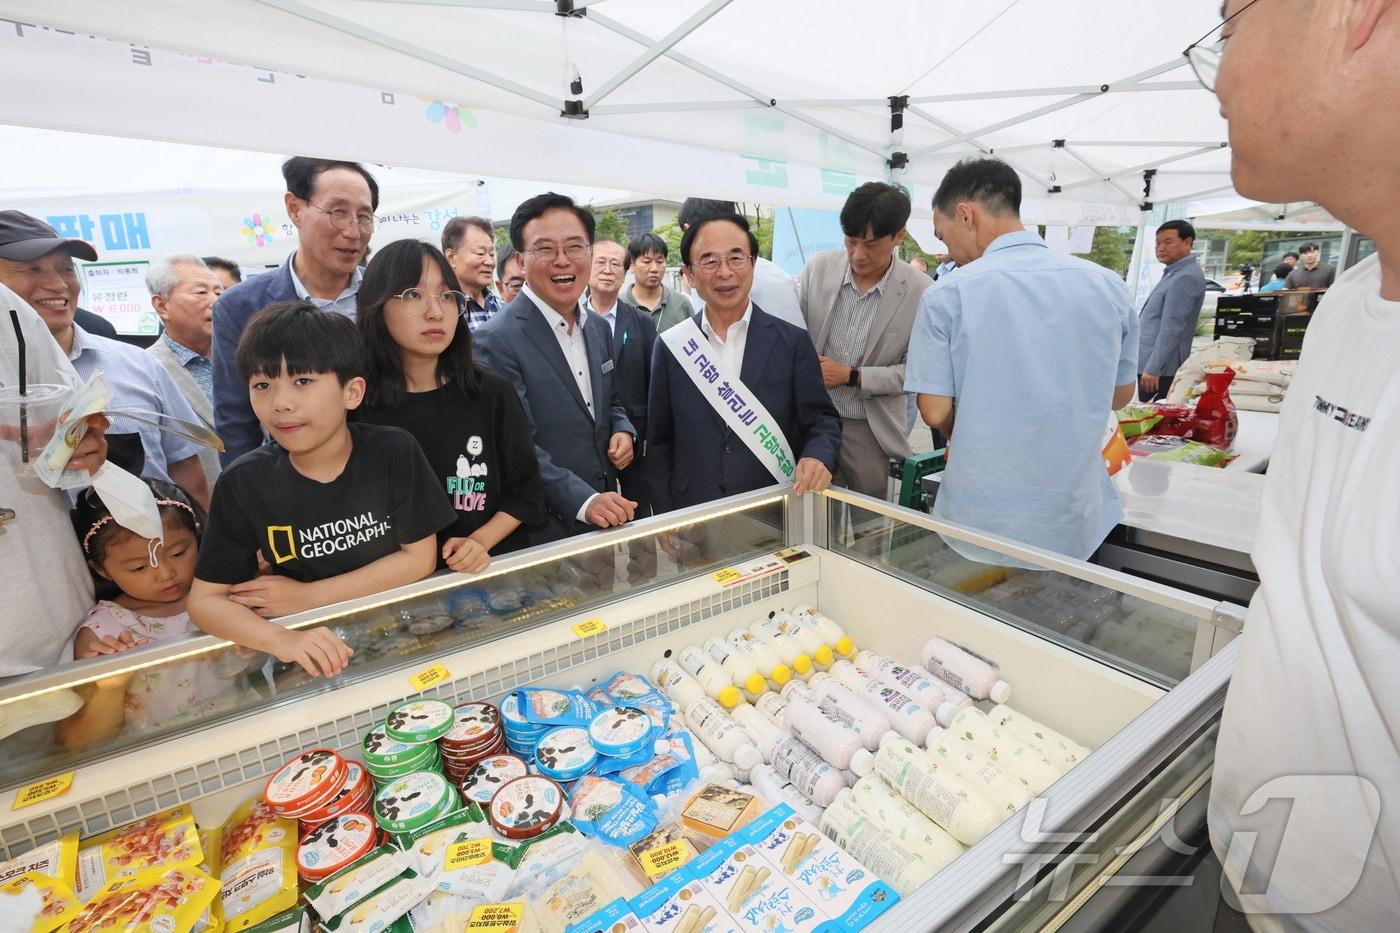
385,497
480,451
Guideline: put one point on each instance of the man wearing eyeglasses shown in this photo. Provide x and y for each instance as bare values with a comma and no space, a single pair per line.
559,358
332,205
1305,798
469,243
737,401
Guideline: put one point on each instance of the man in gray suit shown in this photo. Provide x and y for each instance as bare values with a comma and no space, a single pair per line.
1168,320
860,306
559,358
183,290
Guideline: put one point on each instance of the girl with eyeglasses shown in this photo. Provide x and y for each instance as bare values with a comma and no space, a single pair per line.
468,420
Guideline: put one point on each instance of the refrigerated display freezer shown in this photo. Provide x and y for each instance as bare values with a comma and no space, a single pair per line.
1119,664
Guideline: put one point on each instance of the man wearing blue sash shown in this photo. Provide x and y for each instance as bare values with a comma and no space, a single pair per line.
737,401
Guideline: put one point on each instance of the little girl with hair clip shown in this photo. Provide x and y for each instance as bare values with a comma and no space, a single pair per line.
142,586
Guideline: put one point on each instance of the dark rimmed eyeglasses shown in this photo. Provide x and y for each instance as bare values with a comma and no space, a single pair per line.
1205,57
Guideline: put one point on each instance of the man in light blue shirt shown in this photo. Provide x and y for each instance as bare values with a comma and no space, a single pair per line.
1020,359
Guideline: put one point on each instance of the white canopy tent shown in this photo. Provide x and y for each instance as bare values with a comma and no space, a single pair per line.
790,103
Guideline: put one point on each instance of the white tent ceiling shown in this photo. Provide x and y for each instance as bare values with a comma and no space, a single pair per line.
783,102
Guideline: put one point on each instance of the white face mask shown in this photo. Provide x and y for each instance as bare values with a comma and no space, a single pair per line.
131,502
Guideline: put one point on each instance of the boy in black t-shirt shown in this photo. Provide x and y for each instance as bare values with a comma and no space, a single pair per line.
337,511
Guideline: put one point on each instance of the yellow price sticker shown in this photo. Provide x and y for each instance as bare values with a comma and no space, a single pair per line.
466,853
726,576
590,627
495,918
47,789
657,862
426,678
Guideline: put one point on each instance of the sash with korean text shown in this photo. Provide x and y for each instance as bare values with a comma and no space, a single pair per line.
737,407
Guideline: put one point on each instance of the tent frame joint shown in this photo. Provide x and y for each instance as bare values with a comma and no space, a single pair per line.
574,110
567,9
897,160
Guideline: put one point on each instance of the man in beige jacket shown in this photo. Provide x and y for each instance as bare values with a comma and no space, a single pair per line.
859,307
183,290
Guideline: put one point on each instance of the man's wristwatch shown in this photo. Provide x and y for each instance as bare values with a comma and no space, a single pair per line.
854,378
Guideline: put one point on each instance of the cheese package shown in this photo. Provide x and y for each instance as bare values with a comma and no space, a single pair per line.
57,859
659,853
156,900
615,917
296,920
384,907
840,886
41,901
612,811
544,853
508,917
714,811
429,848
165,839
757,897
681,904
575,892
256,864
356,882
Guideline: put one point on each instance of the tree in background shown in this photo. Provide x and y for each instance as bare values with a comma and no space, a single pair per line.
762,228
1112,249
610,226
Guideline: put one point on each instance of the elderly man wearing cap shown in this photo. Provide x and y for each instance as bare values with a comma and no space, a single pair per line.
37,264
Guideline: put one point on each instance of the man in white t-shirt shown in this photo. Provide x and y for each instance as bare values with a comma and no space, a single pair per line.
1305,802
46,588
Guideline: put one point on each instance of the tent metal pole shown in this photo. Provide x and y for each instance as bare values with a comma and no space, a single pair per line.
641,39
1144,144
1118,88
1102,176
1201,194
1058,105
949,128
603,110
1144,166
658,49
330,21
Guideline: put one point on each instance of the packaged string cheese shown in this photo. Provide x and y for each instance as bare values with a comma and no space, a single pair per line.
572,893
836,883
679,903
428,846
544,853
256,865
156,900
57,859
383,907
616,917
757,897
37,903
166,839
296,920
352,884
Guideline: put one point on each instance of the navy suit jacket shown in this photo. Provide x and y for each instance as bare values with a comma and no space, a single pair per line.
693,456
234,420
633,337
571,444
634,334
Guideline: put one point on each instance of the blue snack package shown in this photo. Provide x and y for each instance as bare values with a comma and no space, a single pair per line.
611,811
555,707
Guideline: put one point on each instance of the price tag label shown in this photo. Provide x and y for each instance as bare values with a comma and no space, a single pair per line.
726,576
466,853
426,678
495,918
657,862
47,789
590,627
